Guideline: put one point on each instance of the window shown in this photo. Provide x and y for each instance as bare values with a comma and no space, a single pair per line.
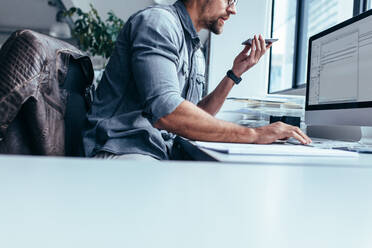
294,22
282,53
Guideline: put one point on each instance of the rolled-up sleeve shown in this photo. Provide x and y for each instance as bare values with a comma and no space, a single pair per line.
155,39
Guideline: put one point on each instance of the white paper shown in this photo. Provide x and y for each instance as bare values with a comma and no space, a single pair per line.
273,149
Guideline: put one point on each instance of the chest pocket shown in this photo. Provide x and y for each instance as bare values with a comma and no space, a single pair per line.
199,88
198,85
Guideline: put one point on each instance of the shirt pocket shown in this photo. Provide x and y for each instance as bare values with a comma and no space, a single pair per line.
199,85
198,89
183,75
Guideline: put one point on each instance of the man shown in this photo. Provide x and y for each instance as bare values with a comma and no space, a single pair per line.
152,86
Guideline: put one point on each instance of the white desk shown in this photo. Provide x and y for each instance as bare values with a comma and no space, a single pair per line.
59,202
364,160
198,153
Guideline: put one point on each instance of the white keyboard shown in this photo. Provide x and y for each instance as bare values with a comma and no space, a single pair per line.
335,144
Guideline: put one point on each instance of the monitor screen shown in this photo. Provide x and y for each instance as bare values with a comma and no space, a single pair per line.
340,72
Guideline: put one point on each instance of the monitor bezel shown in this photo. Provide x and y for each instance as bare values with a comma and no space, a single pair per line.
350,105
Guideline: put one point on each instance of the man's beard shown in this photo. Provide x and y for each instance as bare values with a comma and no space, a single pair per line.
211,25
214,26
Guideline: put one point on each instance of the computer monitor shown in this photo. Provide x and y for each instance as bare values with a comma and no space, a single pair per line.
339,74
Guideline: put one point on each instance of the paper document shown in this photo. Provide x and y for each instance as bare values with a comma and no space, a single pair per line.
273,149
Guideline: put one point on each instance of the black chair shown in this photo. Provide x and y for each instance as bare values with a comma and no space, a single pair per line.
77,106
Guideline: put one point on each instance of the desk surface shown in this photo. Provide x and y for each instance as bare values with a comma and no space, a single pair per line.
364,160
61,202
203,154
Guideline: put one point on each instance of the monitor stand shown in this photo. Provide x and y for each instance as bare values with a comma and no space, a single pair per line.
366,135
345,133
362,135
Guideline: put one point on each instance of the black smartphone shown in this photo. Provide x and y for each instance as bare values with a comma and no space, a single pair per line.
268,41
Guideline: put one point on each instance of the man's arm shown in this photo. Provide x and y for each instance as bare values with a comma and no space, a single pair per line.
194,123
213,102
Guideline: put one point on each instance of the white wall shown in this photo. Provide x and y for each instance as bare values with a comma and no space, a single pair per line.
20,14
35,14
122,8
253,17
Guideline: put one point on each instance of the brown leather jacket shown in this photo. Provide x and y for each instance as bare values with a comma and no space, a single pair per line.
32,102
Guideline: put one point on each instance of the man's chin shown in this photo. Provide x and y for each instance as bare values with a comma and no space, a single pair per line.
216,29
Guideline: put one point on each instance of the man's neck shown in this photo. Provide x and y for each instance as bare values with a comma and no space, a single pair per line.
193,10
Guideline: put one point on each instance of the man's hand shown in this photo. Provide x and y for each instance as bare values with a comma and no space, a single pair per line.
279,130
244,61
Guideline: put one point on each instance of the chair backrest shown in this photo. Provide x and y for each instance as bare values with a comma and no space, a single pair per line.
77,106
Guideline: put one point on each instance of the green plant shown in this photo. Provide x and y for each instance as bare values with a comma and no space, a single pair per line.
95,35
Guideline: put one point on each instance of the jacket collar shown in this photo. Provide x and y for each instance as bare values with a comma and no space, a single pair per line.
186,21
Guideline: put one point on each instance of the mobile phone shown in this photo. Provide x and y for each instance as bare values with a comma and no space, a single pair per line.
267,41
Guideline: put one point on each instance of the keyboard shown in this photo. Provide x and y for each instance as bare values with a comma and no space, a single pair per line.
335,144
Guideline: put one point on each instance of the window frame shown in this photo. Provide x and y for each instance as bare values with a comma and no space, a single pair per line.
299,55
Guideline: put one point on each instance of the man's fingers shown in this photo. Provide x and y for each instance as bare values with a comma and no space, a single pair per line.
253,49
308,140
244,53
263,44
293,131
262,48
303,136
252,53
258,44
246,49
298,137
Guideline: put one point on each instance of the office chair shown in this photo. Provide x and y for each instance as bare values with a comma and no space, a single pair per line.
43,95
77,105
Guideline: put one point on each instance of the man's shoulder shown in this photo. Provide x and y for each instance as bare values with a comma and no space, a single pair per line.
158,15
158,21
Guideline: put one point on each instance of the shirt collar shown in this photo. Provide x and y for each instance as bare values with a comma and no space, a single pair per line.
186,20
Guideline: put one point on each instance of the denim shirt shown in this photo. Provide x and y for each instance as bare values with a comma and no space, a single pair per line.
157,64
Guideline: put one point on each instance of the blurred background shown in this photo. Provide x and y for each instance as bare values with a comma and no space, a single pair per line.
281,71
